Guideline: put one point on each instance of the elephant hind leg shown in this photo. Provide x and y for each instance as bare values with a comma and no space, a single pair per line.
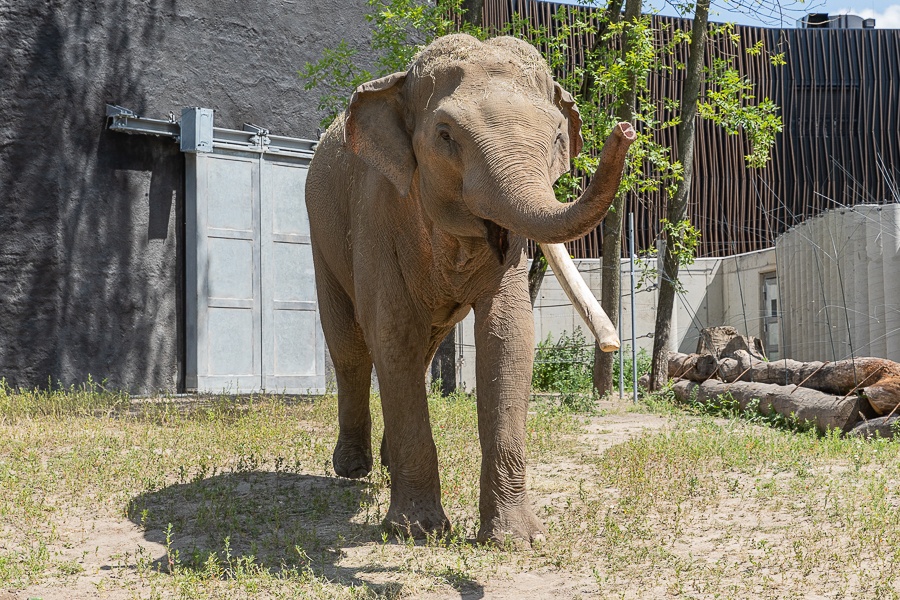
353,370
353,452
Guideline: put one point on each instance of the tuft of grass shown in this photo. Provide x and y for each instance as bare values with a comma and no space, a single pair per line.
89,398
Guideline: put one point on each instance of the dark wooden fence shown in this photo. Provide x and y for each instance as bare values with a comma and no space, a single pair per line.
839,95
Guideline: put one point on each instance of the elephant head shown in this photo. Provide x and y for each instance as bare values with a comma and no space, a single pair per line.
479,132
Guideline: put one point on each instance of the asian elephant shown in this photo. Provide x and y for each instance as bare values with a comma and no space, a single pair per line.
420,199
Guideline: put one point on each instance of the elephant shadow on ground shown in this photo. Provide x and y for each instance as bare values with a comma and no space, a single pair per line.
277,521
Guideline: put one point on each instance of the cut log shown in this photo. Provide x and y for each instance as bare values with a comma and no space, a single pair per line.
696,367
736,366
886,427
884,396
825,411
714,339
844,375
877,379
725,341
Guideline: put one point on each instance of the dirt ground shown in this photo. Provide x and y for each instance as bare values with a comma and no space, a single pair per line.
110,551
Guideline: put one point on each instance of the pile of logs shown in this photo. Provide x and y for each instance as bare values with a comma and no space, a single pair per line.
858,394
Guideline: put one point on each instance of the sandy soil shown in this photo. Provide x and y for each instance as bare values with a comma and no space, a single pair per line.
109,549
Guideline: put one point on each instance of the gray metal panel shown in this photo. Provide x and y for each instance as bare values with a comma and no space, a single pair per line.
293,343
252,312
225,260
196,130
191,275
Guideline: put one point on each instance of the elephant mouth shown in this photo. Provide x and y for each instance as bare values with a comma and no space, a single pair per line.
498,239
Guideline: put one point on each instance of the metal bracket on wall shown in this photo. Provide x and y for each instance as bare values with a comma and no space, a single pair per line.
195,133
127,121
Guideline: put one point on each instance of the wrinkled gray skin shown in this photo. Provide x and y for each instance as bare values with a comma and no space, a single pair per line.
420,200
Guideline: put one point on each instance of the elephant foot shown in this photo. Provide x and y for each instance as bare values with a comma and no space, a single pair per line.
352,459
417,519
516,525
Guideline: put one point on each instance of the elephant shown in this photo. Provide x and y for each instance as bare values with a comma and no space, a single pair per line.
420,198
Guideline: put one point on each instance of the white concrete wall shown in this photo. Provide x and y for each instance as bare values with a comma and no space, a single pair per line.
740,287
717,292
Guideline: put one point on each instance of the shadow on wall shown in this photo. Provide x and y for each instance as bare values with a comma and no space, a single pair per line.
90,247
91,255
701,310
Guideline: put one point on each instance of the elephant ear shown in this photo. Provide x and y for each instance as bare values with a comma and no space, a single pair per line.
375,130
566,104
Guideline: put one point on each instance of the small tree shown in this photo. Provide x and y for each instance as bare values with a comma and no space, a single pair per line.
729,103
611,282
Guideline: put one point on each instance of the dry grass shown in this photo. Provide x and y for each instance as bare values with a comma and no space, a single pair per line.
217,498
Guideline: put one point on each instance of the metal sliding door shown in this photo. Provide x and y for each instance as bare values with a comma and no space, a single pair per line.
293,347
224,325
253,320
252,317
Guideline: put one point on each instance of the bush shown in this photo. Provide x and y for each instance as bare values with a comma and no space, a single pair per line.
644,361
565,367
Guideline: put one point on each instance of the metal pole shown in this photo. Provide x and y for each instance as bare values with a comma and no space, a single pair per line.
633,335
621,353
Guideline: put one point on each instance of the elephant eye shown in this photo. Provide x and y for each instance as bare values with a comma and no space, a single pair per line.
445,135
559,138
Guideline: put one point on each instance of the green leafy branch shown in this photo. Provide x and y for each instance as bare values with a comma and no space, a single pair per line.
682,240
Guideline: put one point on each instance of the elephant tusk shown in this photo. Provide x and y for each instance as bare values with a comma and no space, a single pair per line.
580,294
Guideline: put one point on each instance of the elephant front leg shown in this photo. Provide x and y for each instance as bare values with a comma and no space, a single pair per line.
504,338
415,507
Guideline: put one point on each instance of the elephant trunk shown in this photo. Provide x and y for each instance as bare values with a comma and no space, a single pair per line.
530,208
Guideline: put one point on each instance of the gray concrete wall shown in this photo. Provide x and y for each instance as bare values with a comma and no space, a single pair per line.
740,287
91,222
839,278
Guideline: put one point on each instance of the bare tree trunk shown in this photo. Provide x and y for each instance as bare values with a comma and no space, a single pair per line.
678,205
474,12
611,280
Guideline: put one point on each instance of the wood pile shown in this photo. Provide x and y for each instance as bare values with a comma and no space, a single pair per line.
860,393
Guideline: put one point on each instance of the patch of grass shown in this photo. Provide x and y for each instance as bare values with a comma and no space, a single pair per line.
236,498
88,398
236,495
712,507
